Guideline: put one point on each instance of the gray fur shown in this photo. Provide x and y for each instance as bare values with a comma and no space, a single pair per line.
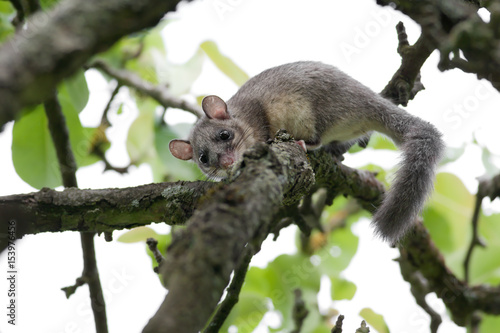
321,105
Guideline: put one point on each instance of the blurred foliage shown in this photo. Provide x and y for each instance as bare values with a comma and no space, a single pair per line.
7,14
268,289
33,152
375,320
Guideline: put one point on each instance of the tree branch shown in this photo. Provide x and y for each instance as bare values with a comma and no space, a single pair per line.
174,203
67,164
208,250
405,83
60,137
299,312
419,289
101,210
450,26
90,275
160,93
233,293
58,42
153,247
461,300
489,187
476,240
338,325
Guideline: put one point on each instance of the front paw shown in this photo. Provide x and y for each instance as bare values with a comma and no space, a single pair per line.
302,143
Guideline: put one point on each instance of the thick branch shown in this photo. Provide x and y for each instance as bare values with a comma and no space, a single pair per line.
462,301
105,210
58,42
340,179
454,25
100,210
206,253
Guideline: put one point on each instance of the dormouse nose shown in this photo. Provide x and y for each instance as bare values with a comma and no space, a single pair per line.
226,160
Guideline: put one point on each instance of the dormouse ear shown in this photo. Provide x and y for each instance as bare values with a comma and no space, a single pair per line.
215,107
181,149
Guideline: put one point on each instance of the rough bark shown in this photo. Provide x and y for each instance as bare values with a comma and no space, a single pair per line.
100,210
200,260
451,26
58,42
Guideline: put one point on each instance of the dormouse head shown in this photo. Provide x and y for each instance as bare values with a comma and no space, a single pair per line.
216,141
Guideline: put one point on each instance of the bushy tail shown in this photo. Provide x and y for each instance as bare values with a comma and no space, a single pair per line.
422,148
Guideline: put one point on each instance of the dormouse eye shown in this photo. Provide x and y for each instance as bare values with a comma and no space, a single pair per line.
224,135
203,158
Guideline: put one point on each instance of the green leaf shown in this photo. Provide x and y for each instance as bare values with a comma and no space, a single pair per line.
261,280
441,228
485,262
226,65
247,313
450,212
153,50
75,91
135,53
378,141
374,320
179,77
7,8
140,138
490,324
46,4
314,322
139,234
293,271
382,174
33,152
452,154
7,13
339,251
342,289
91,134
487,158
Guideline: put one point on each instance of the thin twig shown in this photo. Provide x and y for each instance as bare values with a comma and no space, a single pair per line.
405,83
91,275
60,137
419,289
476,241
101,139
488,187
153,247
157,92
19,18
338,325
104,119
67,163
233,293
107,165
363,328
299,311
475,322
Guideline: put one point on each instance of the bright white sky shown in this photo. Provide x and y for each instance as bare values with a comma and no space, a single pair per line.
356,36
